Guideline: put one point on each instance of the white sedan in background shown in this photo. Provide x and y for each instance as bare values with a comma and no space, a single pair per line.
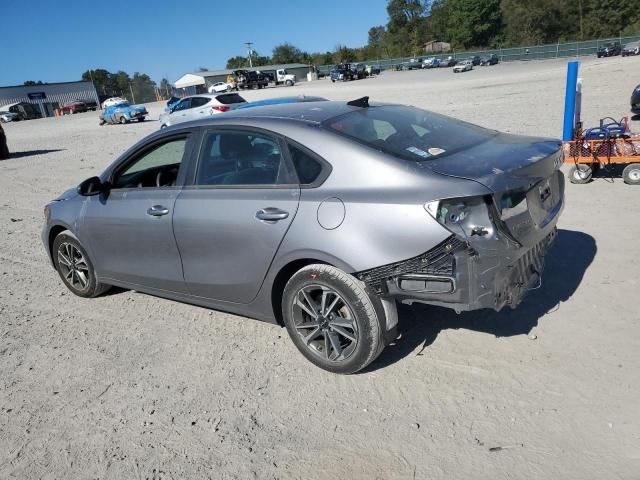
112,101
220,87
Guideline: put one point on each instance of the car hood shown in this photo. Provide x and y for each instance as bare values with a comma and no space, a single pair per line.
503,162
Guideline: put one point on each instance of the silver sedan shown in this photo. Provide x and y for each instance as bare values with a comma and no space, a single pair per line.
318,216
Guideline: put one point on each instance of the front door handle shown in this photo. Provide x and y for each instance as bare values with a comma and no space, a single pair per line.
157,211
271,214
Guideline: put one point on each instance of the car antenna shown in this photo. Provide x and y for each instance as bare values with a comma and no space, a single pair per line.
360,102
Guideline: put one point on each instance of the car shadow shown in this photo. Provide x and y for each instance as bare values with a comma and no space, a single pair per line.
565,266
635,118
31,153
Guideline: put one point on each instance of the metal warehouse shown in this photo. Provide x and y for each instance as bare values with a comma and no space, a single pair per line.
48,96
199,82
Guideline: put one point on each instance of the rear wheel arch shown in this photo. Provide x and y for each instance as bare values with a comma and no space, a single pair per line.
281,279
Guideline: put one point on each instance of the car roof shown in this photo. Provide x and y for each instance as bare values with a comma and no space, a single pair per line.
211,95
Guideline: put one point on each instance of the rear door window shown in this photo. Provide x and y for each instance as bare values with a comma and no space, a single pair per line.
199,101
308,168
237,158
230,98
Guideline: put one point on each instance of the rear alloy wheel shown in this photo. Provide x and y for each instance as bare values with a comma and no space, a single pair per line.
580,174
74,267
631,174
332,319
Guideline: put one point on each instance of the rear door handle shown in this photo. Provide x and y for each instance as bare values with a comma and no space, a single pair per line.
271,214
157,211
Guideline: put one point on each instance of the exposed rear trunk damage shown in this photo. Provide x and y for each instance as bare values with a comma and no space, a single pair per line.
499,241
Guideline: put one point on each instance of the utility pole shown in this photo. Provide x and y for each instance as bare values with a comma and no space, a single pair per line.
250,52
133,99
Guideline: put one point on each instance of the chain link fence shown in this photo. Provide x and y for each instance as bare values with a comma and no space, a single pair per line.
533,52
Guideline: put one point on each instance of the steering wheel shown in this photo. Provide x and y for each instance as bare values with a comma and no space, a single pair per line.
162,173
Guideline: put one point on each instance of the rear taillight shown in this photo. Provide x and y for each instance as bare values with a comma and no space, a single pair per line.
221,108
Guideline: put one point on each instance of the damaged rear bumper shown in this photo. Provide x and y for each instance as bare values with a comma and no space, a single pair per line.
456,276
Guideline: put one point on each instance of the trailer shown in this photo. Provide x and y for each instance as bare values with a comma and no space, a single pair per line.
613,156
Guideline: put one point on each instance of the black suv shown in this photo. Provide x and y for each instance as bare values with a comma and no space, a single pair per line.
635,101
491,59
609,49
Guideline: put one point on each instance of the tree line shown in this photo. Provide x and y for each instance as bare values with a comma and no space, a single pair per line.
470,25
138,88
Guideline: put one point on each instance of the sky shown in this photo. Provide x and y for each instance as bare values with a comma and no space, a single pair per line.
57,40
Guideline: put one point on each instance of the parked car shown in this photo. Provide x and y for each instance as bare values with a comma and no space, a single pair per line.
25,110
609,50
491,59
112,101
475,60
220,87
9,117
431,62
90,104
412,64
281,101
373,204
447,62
4,149
635,100
123,113
73,107
632,48
202,106
463,66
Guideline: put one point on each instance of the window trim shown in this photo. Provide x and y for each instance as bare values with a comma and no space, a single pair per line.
191,182
148,147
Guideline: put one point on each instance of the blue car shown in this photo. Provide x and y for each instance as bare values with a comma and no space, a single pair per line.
281,101
123,113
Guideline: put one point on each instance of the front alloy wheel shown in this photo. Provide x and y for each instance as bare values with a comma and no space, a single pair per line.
75,267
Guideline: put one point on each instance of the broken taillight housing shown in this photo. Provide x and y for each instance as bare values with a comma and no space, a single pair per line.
467,217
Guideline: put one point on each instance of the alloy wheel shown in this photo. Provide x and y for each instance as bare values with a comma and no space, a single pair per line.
325,322
73,266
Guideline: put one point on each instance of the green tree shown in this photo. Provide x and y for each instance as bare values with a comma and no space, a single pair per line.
165,88
31,83
286,53
143,88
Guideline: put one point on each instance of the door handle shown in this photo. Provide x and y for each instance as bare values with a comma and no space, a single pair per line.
157,211
271,214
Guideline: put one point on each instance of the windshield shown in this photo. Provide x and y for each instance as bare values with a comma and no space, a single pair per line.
408,132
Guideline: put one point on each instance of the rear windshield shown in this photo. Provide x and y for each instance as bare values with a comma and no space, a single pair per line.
229,98
408,132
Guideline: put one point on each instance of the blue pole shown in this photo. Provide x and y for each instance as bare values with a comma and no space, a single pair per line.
570,101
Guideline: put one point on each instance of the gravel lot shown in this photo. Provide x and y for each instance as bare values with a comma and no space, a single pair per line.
131,386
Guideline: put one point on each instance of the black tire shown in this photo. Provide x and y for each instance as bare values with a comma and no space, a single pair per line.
631,174
141,119
163,126
289,83
122,120
66,247
352,347
580,174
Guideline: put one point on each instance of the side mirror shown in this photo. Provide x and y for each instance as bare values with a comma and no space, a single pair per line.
91,186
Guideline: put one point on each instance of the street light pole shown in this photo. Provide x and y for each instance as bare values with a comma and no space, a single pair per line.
248,44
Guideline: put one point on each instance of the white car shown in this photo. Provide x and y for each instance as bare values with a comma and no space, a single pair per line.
201,106
112,101
9,117
220,87
463,66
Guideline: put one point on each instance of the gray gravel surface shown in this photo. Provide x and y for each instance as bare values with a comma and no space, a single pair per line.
131,386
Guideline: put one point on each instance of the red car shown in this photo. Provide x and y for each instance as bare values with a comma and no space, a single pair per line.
74,107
